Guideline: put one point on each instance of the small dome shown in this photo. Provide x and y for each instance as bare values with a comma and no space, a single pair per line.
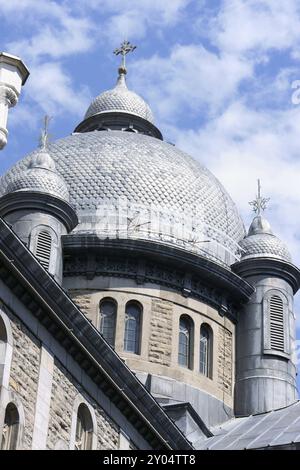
120,99
262,243
40,176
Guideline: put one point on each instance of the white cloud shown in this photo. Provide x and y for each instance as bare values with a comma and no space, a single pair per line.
242,145
51,30
71,36
256,25
190,78
53,90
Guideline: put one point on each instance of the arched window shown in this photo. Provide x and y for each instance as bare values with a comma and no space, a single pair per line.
133,314
206,345
185,346
10,428
276,318
43,248
84,429
108,314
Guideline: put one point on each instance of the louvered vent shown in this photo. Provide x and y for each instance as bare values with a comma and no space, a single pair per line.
43,248
276,323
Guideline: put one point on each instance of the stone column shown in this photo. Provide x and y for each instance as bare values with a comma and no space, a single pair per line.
13,74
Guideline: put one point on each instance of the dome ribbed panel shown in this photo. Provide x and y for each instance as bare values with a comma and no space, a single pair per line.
106,168
120,99
264,245
41,180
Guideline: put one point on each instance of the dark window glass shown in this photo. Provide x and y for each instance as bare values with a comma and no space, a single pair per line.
10,428
205,351
84,429
108,314
133,314
185,342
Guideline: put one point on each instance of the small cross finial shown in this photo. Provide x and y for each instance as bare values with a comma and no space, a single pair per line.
125,48
260,203
44,138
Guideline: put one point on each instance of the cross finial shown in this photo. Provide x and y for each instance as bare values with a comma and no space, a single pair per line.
125,48
44,138
260,203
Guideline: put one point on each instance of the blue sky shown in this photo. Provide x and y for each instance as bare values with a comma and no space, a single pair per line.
218,76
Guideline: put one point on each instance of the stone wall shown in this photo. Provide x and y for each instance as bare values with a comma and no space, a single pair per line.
162,309
24,373
64,392
82,298
225,360
160,340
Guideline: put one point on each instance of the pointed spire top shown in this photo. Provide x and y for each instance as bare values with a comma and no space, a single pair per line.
124,49
260,203
44,137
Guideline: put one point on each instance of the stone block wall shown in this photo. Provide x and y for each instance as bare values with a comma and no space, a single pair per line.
160,340
225,359
64,392
82,298
25,373
24,383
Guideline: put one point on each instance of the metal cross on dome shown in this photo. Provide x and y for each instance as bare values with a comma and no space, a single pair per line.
125,48
260,203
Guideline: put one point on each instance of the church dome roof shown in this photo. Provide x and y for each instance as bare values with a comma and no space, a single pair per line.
262,243
120,99
39,175
130,185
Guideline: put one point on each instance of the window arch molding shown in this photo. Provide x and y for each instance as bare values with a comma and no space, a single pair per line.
9,397
79,400
186,341
107,321
276,323
133,326
6,349
206,350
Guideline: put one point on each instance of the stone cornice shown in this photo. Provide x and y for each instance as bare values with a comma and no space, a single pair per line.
148,261
269,267
16,62
48,302
23,200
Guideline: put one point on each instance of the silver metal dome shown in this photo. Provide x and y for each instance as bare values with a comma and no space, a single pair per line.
130,185
120,99
261,242
39,175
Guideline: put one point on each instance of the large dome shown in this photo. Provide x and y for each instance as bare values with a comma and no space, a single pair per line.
131,185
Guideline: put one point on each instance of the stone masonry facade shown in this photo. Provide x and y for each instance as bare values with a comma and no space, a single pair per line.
24,372
160,341
225,360
82,298
64,392
24,378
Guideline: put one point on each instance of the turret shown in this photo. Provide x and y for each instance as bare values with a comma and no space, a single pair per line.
13,74
36,205
265,344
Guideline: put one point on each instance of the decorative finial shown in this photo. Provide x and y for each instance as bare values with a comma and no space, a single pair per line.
44,138
125,48
260,203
